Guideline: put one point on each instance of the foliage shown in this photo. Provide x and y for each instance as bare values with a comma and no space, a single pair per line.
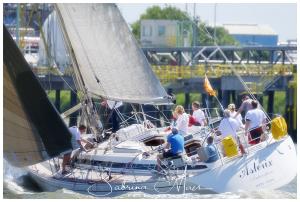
64,99
279,102
180,98
206,35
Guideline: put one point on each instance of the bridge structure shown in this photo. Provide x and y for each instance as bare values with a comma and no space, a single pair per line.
225,86
228,88
214,54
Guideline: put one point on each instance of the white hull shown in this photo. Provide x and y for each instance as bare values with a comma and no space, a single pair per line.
108,189
270,167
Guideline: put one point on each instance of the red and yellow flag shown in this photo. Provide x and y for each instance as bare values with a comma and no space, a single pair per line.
207,87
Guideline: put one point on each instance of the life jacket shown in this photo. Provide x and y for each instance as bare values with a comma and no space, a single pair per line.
278,128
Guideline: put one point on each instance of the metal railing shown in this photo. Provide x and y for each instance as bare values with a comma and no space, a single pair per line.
168,73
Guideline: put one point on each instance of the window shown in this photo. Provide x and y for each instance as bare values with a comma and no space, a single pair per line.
146,31
161,30
143,31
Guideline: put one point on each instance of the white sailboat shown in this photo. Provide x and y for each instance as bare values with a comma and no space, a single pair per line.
109,65
121,171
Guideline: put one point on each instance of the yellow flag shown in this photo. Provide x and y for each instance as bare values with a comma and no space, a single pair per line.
207,87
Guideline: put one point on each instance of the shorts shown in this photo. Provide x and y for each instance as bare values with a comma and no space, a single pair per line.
74,144
168,154
255,135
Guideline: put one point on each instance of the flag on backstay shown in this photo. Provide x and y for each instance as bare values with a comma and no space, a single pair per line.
207,87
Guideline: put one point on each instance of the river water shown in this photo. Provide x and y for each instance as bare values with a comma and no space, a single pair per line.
17,184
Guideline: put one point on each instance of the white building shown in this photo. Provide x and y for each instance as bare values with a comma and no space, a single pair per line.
165,33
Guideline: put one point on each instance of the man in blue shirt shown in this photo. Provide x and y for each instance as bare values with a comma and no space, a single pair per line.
174,146
211,150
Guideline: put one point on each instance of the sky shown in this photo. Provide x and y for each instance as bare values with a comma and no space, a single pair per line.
281,17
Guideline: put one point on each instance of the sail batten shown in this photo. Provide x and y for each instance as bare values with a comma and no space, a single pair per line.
110,61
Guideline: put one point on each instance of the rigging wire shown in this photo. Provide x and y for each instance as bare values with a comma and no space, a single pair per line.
91,114
47,48
79,80
235,72
269,120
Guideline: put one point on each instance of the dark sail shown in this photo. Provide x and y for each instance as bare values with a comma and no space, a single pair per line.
33,129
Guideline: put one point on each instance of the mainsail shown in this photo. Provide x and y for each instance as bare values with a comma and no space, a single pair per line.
109,60
33,130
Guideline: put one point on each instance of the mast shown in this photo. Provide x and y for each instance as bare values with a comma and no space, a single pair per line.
18,25
88,111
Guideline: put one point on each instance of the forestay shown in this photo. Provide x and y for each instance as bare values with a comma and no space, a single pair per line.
110,62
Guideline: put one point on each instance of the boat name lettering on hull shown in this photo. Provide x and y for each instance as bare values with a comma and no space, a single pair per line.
255,168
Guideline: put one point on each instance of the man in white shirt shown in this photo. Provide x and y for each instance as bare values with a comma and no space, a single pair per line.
76,143
198,115
228,126
255,118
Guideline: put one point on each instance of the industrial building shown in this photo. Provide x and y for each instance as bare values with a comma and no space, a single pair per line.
253,34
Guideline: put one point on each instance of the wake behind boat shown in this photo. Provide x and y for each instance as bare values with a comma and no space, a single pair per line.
126,160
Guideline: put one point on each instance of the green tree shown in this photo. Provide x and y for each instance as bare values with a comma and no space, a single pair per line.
206,35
